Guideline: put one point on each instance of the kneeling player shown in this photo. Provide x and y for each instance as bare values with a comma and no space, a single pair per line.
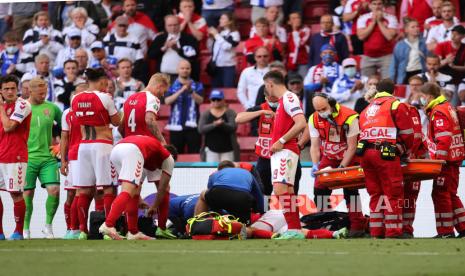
273,225
135,157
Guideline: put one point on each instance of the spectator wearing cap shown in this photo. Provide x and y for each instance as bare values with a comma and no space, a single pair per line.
172,46
327,36
251,78
452,54
218,127
225,39
213,9
83,23
72,44
348,88
100,59
295,84
377,30
298,39
65,87
192,23
263,38
12,59
140,25
409,54
42,38
321,77
184,95
443,31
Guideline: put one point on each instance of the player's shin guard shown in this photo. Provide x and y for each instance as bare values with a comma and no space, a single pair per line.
163,211
1,216
261,234
132,209
29,209
73,215
319,234
290,210
67,211
19,210
51,206
117,208
107,201
83,211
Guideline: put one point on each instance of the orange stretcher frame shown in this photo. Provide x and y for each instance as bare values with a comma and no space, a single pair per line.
354,177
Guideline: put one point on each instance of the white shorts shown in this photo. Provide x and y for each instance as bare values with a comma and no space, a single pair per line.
284,166
129,164
68,184
272,220
13,176
93,166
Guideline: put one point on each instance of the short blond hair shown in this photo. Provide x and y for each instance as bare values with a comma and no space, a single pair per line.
36,81
159,78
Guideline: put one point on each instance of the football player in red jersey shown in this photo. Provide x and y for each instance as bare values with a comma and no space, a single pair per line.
15,116
136,157
94,111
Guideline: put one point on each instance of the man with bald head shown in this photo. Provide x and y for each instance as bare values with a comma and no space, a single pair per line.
334,132
171,46
185,95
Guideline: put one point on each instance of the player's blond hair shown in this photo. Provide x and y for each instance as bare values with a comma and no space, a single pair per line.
35,82
159,78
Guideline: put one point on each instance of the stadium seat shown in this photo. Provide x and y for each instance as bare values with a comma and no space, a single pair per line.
243,130
247,143
204,107
315,28
400,91
237,107
230,94
243,14
195,157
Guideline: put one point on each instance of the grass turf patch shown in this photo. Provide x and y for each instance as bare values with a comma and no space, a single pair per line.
250,257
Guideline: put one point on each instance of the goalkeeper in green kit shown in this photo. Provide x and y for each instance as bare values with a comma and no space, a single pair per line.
42,164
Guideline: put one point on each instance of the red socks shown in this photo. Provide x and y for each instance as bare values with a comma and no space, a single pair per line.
132,215
83,211
119,205
73,215
163,210
319,234
261,234
19,210
67,209
291,212
1,216
107,201
99,205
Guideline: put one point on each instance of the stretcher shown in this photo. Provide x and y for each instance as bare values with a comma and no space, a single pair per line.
354,177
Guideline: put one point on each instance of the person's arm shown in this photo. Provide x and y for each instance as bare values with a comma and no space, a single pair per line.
197,95
394,62
64,146
22,110
169,100
197,33
363,30
304,138
315,150
296,129
431,41
352,139
230,124
29,46
205,127
404,124
157,48
442,135
229,42
390,31
250,114
242,88
152,125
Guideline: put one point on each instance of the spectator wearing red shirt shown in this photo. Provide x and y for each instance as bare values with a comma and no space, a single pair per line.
298,38
263,38
272,15
352,11
442,32
192,23
418,9
377,30
452,54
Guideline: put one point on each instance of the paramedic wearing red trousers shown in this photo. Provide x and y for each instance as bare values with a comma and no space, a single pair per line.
385,124
412,188
445,142
334,130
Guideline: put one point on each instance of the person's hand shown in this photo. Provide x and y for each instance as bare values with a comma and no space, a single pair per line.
268,112
324,80
152,211
450,58
277,146
64,168
212,31
1,101
357,85
143,204
218,122
11,68
45,39
187,16
314,169
273,28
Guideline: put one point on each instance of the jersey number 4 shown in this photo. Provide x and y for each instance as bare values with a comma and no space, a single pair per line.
132,120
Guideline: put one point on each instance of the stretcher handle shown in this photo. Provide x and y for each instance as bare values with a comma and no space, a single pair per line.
337,170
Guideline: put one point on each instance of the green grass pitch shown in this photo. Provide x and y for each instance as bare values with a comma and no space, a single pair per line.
250,257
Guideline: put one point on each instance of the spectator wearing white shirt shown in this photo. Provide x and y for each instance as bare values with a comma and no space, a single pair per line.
442,32
42,38
42,69
432,74
82,57
122,44
65,87
224,51
72,44
259,6
252,78
213,9
82,22
125,84
461,91
349,87
272,15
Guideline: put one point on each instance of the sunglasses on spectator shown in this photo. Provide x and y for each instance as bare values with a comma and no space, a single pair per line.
216,100
295,82
263,56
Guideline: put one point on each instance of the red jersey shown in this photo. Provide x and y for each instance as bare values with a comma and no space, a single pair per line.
70,124
289,106
298,48
443,49
200,24
376,45
265,132
350,7
152,150
253,43
13,145
93,108
135,108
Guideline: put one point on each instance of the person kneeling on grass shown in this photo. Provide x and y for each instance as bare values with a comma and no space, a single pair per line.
273,225
135,157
